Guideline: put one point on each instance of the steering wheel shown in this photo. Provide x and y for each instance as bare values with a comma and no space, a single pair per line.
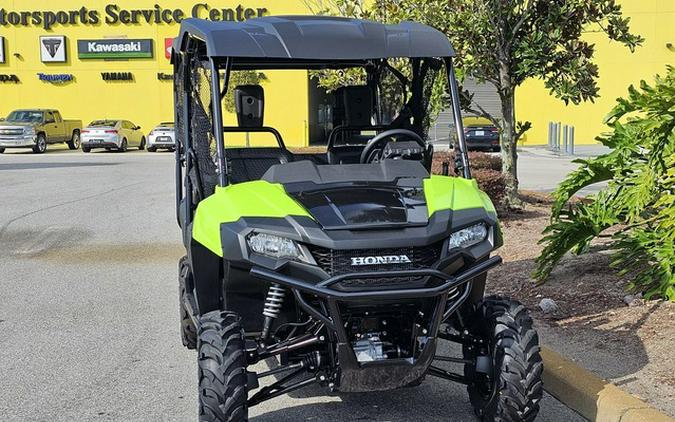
380,139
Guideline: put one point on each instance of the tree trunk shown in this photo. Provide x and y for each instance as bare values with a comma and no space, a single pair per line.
508,140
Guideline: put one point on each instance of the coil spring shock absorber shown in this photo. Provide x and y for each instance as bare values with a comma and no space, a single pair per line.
272,309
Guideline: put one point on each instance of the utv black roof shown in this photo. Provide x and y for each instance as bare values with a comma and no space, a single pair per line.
314,38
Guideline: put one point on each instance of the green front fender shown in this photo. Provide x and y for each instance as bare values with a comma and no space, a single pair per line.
455,193
228,204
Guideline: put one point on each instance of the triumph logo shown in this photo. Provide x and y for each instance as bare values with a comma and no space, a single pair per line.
380,260
52,45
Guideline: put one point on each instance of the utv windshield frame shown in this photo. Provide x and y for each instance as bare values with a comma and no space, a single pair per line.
275,43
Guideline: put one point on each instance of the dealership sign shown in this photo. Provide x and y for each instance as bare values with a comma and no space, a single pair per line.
112,14
114,49
9,78
53,49
117,76
57,78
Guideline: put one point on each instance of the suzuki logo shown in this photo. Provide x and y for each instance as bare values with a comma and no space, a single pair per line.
380,260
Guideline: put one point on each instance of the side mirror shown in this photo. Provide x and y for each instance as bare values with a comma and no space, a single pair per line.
138,127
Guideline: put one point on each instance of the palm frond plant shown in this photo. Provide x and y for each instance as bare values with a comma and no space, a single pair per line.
638,204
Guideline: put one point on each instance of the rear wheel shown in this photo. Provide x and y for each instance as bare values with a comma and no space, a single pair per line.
123,146
40,144
152,149
222,368
85,148
512,388
188,332
2,150
141,147
74,142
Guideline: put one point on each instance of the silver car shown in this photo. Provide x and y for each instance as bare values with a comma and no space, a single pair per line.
112,134
162,137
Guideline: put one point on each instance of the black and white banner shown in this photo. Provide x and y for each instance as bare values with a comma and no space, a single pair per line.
2,49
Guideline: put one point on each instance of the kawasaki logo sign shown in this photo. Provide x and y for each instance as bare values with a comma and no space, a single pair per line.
114,49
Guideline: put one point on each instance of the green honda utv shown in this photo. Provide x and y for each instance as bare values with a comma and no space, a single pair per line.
345,269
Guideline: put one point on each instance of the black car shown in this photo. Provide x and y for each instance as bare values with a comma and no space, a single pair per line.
484,138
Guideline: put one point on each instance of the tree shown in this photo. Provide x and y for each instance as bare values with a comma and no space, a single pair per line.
638,204
505,42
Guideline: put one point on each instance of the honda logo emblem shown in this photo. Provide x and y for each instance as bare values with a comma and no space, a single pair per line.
380,260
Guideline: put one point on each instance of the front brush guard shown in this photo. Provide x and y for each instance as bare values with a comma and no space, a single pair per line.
390,373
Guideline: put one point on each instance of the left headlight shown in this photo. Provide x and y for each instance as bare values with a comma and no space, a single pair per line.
276,247
29,131
468,236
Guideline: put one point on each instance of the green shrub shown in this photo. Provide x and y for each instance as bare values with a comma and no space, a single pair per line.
638,203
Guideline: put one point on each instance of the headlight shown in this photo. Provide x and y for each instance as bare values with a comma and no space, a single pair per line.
275,247
468,236
29,131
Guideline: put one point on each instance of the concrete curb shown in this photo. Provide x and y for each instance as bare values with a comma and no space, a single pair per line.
591,396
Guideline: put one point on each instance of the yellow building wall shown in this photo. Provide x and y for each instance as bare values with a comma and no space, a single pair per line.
618,68
146,101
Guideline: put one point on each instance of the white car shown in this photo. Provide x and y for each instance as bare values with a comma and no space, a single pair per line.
112,134
162,137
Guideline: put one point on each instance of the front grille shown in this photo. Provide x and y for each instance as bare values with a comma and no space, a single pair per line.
11,132
337,262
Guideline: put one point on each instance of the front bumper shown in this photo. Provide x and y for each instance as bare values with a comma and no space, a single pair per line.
391,373
17,142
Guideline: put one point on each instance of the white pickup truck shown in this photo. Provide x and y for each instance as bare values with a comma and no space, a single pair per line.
36,128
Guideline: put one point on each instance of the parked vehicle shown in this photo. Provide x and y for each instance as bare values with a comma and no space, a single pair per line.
484,137
162,137
37,128
349,270
112,134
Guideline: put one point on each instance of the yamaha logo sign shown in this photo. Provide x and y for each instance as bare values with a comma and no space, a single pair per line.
117,76
380,260
114,49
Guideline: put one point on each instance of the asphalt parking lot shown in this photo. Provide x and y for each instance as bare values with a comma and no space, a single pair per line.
88,310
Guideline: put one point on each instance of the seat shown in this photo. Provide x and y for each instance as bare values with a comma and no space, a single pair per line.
353,113
247,164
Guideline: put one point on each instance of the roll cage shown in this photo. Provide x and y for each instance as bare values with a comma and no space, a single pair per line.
205,54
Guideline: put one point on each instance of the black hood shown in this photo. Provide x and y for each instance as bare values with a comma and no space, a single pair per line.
354,207
356,196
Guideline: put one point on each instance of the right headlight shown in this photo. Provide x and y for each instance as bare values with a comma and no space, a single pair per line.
468,236
29,131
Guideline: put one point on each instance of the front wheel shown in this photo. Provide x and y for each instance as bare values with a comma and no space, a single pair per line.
509,388
40,144
86,148
141,147
222,368
152,149
2,150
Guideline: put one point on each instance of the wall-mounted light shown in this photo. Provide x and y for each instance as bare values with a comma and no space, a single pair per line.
669,45
18,56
